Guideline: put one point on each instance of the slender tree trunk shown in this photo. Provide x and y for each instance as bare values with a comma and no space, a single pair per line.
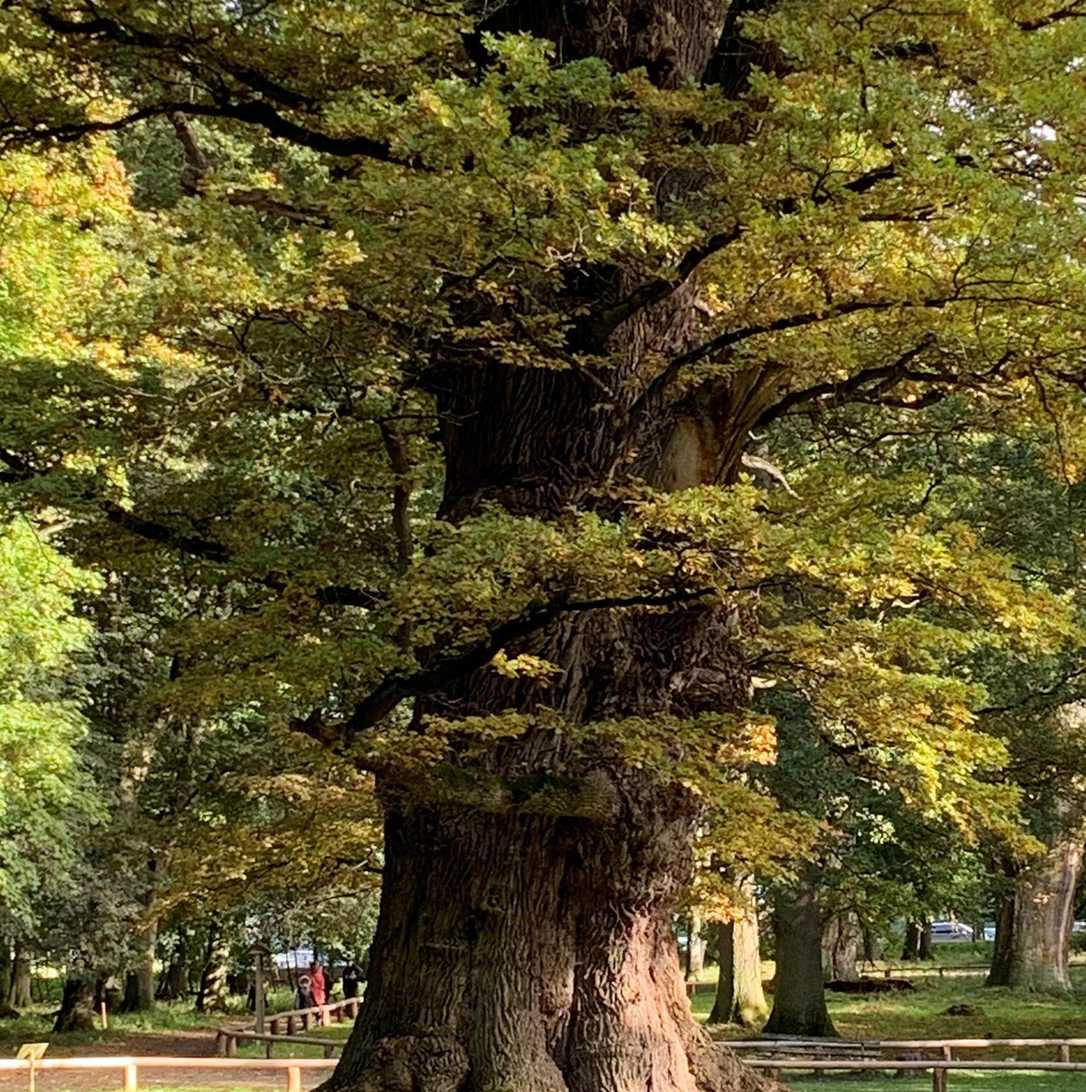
925,949
910,950
799,999
212,993
869,948
694,958
1000,971
19,996
1033,925
740,998
77,1005
841,948
174,984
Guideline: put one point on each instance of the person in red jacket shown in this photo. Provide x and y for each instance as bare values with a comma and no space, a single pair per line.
318,984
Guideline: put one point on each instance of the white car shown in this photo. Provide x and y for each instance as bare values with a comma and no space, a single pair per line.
950,931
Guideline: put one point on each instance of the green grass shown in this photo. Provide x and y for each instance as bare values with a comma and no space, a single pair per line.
958,1082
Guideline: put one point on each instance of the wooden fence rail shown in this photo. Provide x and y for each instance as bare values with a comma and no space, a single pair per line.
130,1066
332,1012
943,1047
227,1040
940,1068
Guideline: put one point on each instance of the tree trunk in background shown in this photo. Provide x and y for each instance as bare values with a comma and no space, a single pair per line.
1000,971
77,1005
925,951
1033,925
841,948
694,960
212,993
740,998
799,999
724,999
174,982
869,948
19,991
910,950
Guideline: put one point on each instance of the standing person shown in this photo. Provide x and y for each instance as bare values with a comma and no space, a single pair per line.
318,984
352,975
303,999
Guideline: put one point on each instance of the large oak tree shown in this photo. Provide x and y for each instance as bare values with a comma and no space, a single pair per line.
440,361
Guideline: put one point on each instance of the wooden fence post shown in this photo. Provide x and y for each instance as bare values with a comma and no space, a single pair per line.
273,1027
1064,1052
131,1077
292,1025
294,1079
231,1046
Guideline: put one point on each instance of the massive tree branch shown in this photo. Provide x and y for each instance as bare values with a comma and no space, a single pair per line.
395,688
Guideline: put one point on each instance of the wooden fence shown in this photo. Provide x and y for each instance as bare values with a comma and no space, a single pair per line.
130,1067
938,1048
333,1012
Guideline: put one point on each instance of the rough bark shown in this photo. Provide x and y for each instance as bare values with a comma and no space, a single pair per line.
525,937
740,998
799,1000
174,983
77,1004
1033,929
19,992
211,996
1000,970
841,948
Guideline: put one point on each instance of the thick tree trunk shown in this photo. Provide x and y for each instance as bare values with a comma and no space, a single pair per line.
841,948
917,941
535,954
525,938
1033,928
799,999
174,983
77,1005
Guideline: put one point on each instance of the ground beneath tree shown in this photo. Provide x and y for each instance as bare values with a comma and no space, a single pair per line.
173,1044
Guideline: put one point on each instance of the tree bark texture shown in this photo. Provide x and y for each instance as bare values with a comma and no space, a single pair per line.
525,938
212,993
740,998
799,1000
1033,928
19,994
841,948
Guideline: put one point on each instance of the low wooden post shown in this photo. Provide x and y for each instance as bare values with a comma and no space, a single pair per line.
1064,1052
220,1043
105,1018
948,1053
294,1079
292,1025
273,1026
329,1050
231,1046
305,1021
131,1077
268,1046
939,1079
326,1016
337,1014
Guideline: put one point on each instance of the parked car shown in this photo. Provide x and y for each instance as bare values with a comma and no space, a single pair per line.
950,931
1078,927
